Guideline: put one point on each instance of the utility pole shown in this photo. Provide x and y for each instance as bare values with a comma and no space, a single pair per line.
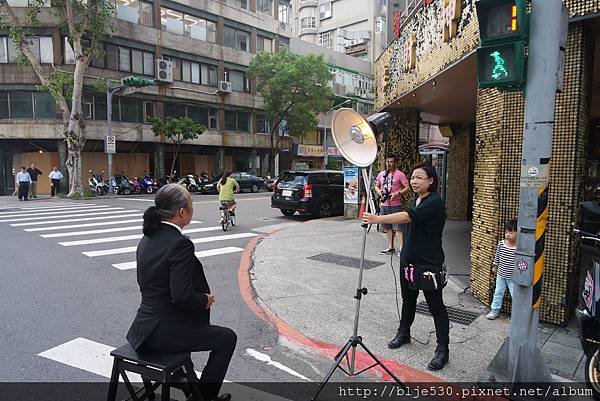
520,359
110,91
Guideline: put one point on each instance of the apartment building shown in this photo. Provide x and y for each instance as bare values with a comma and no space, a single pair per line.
197,51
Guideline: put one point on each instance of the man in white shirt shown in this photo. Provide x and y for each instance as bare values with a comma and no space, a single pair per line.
55,177
23,181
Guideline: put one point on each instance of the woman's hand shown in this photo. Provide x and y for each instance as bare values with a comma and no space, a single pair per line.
494,269
369,218
210,299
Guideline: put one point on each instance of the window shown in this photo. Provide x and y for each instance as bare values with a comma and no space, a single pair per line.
236,39
21,104
200,114
146,14
4,105
284,43
112,57
264,44
69,53
124,59
148,111
137,61
244,4
46,51
284,13
4,50
27,3
326,39
208,74
171,21
130,110
308,23
45,106
262,124
148,63
266,6
325,10
41,47
237,121
87,105
188,25
134,11
196,73
238,80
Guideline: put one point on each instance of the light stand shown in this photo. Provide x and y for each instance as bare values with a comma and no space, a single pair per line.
356,340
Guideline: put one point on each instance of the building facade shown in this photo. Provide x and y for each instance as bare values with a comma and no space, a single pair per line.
428,75
205,41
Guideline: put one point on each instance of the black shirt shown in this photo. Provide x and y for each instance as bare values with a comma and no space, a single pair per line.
423,238
33,173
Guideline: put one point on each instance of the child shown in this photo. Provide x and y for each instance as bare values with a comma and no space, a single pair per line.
502,265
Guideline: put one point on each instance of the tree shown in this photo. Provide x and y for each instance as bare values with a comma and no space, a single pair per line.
295,90
177,130
88,22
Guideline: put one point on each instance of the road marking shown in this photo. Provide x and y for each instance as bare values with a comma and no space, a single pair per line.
116,251
130,237
130,213
115,230
273,227
267,359
200,254
46,209
137,200
238,200
92,212
62,211
105,223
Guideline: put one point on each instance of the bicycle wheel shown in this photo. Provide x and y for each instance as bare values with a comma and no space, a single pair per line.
225,221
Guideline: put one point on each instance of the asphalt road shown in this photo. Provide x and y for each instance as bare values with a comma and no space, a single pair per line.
69,294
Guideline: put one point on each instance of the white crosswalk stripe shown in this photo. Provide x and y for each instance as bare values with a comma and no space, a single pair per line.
57,212
130,213
92,212
110,230
199,254
128,249
71,226
130,237
25,210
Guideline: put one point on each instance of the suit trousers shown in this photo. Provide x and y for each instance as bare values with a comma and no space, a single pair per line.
55,187
23,190
436,306
169,337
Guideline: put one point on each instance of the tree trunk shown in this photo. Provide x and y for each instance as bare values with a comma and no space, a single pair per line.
75,132
175,155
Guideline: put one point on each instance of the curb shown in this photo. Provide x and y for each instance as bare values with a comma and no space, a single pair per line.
363,361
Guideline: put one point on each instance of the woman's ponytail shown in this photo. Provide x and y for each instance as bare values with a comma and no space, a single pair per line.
151,221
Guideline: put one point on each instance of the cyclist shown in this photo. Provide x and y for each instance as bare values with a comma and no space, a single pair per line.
226,187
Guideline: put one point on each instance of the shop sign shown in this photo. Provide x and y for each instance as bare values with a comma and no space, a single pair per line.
317,151
452,10
410,52
351,185
397,20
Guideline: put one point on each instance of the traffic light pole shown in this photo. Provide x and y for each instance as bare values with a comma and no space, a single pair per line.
110,91
520,359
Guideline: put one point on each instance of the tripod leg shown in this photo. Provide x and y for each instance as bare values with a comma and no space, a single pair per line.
389,372
338,360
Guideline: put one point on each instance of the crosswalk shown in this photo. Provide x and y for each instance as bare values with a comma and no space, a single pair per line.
111,233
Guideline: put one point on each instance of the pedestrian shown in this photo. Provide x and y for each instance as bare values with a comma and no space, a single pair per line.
174,314
23,181
422,260
33,173
390,185
502,266
55,178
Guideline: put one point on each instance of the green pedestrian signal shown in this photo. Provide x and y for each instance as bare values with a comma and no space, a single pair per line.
503,30
137,82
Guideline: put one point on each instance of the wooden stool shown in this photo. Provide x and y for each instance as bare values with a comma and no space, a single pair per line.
168,370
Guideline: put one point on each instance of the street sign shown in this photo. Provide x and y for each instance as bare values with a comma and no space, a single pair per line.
110,144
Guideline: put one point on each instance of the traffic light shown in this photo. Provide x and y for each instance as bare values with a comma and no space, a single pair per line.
137,82
503,29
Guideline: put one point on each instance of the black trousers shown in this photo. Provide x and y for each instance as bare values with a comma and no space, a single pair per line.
55,188
23,190
436,306
170,337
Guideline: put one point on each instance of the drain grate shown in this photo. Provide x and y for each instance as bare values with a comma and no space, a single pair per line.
455,315
344,260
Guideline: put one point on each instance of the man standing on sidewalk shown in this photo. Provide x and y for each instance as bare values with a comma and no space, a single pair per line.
33,173
23,181
391,184
55,177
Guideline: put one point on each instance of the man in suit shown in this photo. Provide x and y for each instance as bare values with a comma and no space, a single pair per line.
174,315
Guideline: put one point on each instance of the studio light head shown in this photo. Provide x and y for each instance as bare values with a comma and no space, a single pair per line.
380,122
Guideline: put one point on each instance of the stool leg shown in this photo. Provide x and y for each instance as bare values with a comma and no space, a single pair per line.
149,389
193,381
165,392
114,382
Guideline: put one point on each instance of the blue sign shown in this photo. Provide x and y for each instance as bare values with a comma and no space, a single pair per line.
351,185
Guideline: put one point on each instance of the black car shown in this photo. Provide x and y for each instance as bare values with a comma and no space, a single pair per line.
319,193
248,182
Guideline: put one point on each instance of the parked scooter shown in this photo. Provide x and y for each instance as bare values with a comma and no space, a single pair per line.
589,312
149,184
121,184
190,181
97,184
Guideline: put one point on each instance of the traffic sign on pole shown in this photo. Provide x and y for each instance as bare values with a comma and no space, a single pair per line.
110,144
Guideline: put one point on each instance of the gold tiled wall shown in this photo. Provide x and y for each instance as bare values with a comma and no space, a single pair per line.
401,139
459,155
497,166
579,8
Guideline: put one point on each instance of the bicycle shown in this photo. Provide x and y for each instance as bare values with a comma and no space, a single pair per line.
227,217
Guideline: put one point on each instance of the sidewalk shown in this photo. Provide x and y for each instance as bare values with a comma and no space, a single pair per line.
316,299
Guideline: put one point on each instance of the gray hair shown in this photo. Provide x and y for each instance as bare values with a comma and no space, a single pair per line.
169,199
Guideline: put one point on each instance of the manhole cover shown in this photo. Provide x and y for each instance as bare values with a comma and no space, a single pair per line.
344,260
455,315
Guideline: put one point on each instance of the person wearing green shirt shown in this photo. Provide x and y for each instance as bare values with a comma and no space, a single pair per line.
226,187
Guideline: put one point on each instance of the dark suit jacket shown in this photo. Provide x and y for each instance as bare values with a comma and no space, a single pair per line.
172,283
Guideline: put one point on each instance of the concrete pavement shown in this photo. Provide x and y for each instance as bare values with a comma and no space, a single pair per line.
312,303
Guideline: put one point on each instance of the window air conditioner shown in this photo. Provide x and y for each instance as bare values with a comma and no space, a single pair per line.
224,87
164,70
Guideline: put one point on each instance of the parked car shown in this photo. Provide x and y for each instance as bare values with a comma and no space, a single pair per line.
319,193
248,182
